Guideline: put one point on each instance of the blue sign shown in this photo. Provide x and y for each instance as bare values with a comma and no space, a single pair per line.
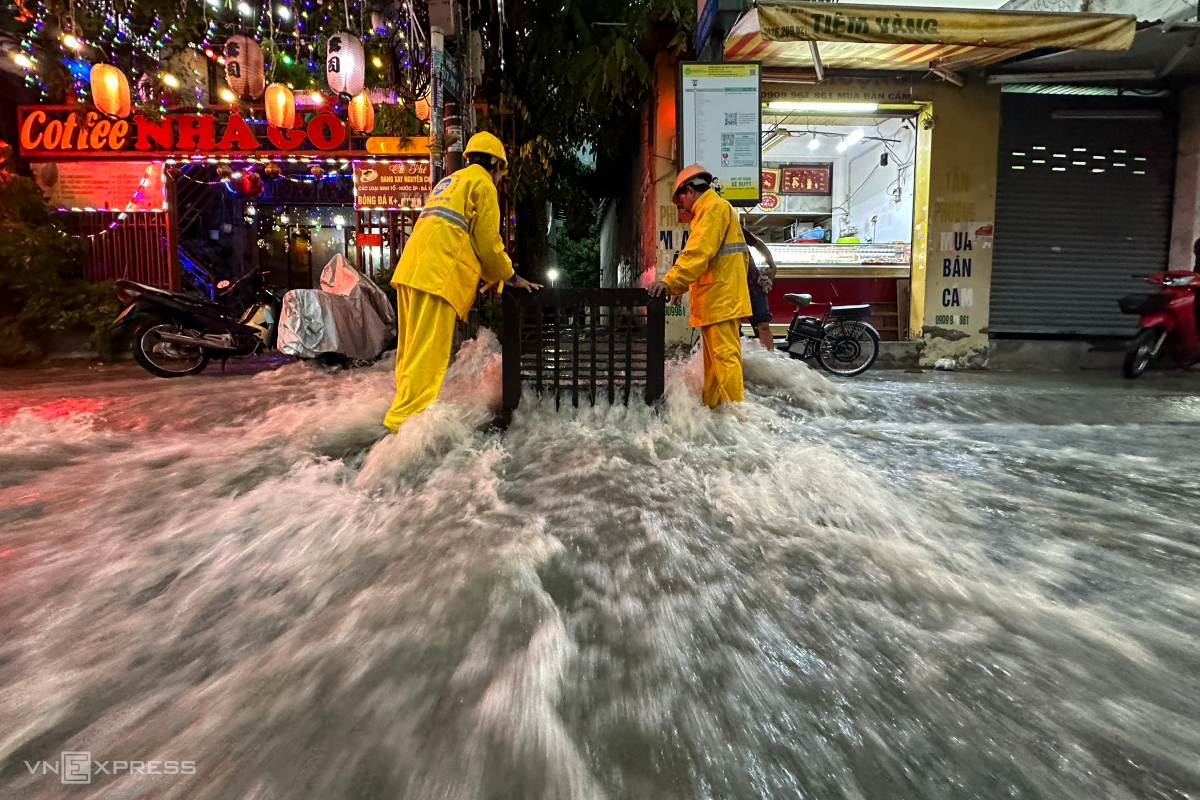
705,17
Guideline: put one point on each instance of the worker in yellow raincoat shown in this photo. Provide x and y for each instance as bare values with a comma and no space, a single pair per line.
455,244
712,267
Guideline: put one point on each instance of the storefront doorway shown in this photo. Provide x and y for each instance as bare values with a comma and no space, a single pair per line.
838,207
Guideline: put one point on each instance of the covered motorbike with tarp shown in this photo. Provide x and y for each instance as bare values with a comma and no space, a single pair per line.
348,316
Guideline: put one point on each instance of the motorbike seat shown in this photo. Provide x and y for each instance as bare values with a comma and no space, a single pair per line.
798,300
851,312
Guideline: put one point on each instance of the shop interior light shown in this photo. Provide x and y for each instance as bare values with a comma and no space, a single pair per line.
855,136
841,148
284,13
828,108
23,61
814,144
170,80
228,96
339,221
70,41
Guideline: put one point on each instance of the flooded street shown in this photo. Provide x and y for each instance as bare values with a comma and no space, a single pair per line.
899,586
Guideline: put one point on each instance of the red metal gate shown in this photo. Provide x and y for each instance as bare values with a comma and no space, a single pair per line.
379,237
137,249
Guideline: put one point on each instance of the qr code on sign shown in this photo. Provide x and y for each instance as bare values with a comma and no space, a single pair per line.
731,119
726,140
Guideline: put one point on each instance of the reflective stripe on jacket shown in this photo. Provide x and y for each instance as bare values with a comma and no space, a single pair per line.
456,241
712,267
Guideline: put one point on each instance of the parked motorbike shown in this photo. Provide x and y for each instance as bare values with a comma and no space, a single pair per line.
180,333
839,339
1168,322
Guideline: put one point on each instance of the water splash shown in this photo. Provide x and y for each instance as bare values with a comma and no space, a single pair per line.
834,590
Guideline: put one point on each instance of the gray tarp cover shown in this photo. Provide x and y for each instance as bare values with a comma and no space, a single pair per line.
349,315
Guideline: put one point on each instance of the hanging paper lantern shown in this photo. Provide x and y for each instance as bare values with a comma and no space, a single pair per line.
110,90
281,106
244,67
317,172
423,109
249,185
272,170
362,113
345,64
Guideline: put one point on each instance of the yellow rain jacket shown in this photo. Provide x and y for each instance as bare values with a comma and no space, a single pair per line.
456,241
712,267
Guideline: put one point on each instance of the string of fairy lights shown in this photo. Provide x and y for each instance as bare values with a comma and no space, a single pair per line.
293,34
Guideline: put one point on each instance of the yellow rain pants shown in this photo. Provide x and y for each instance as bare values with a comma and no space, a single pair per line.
426,332
722,346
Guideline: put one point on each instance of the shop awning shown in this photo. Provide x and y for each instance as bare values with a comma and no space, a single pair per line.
908,38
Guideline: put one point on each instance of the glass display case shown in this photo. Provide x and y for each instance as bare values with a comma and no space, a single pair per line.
884,259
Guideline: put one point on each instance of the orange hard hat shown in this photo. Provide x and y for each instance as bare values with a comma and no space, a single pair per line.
688,174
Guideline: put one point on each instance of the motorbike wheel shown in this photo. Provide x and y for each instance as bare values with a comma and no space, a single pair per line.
166,359
1140,352
849,348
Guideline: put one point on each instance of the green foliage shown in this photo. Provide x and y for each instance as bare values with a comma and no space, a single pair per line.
575,77
42,288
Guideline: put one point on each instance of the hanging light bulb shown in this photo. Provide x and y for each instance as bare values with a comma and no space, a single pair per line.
244,9
110,90
23,61
284,13
814,144
281,106
361,113
841,148
317,98
377,61
228,96
70,41
170,80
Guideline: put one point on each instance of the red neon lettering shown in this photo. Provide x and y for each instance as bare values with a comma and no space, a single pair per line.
196,132
238,134
284,140
326,131
28,140
159,133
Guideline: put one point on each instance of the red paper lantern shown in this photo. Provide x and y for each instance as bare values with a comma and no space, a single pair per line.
110,90
423,109
281,106
361,113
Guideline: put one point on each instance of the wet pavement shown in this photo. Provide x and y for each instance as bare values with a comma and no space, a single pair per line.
937,585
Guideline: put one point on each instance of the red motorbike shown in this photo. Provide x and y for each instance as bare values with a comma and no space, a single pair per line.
1168,319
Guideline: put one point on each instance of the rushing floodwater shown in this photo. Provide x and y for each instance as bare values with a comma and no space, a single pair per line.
900,587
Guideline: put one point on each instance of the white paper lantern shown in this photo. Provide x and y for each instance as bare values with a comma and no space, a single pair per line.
244,67
345,64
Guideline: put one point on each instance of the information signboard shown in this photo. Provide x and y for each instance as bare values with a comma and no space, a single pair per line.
401,184
720,124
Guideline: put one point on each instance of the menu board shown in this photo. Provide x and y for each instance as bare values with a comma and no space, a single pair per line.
720,123
111,186
400,184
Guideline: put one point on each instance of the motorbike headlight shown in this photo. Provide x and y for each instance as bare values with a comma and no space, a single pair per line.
127,294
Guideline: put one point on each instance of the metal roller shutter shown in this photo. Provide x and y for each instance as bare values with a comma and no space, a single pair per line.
1084,196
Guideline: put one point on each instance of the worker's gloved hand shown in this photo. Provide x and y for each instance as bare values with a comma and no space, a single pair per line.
658,289
517,282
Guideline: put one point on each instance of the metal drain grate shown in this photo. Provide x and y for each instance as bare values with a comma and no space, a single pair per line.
582,345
